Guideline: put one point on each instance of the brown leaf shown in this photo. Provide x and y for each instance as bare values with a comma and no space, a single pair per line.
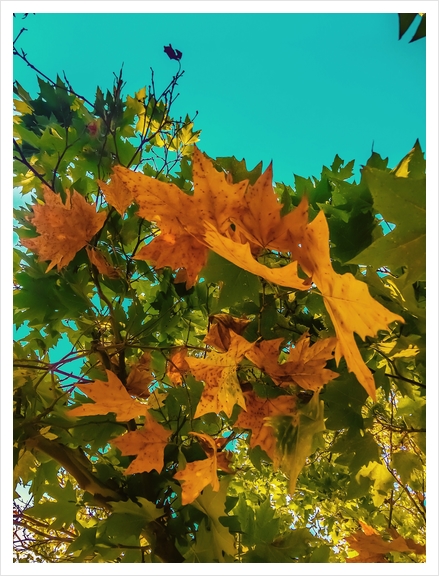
177,366
147,444
98,259
64,228
110,396
197,475
221,390
304,366
372,547
254,419
140,377
219,332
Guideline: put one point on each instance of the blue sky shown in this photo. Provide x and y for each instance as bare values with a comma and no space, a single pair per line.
293,88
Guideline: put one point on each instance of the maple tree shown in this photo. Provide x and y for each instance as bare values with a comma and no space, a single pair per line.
246,374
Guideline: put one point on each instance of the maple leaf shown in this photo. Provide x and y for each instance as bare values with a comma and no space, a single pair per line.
219,332
147,444
176,251
64,228
372,547
197,475
118,193
98,259
179,215
304,365
348,301
140,377
218,371
110,396
254,418
259,218
241,255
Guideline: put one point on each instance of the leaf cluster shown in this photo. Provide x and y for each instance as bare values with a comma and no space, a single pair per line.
208,408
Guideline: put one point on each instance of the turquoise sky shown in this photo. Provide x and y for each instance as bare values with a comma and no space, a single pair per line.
293,88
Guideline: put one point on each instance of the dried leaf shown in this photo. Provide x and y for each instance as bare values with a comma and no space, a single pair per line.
305,364
221,390
140,377
241,255
350,306
177,366
64,228
372,547
219,332
147,444
98,259
110,396
197,475
118,194
260,220
176,251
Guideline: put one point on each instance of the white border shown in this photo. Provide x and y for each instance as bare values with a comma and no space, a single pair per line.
202,6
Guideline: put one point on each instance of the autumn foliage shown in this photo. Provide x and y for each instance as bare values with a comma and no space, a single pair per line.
249,358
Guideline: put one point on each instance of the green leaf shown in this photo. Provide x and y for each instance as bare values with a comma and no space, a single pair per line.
405,463
212,504
400,200
237,285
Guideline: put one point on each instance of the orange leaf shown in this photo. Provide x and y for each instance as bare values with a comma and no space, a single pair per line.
305,365
110,396
176,251
260,220
197,475
371,546
241,255
140,377
148,444
221,389
254,419
64,228
118,194
219,332
98,259
177,366
350,306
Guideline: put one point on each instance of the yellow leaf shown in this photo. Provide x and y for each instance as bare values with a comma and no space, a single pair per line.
110,396
221,390
117,193
64,228
350,306
241,255
197,475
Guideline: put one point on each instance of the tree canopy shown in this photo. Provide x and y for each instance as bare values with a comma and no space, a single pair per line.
244,368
